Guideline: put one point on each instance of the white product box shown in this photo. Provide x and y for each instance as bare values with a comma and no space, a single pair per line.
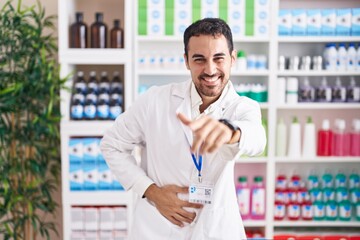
120,218
91,219
75,150
299,22
313,22
355,22
76,235
106,235
156,21
106,219
183,18
209,8
120,235
236,17
262,10
285,23
261,29
328,22
91,150
292,88
77,219
90,176
76,177
91,235
343,22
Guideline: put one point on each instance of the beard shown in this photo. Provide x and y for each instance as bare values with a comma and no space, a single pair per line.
209,90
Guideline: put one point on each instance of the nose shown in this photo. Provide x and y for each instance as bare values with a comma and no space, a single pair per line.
210,68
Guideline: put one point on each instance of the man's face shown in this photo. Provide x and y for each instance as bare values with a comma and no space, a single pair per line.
209,62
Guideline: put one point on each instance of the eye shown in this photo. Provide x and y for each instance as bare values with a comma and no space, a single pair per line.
199,60
219,59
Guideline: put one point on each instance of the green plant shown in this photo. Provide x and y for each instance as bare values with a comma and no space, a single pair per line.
29,122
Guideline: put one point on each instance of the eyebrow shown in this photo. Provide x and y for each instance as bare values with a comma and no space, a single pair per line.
202,56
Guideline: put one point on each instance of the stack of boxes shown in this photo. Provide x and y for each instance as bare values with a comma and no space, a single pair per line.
88,169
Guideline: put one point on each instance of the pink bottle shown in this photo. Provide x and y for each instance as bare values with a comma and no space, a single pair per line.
341,140
258,199
355,138
243,197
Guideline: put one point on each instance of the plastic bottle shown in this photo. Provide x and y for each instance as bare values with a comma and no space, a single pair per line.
331,211
355,138
307,211
115,109
117,35
353,91
342,57
258,199
331,57
281,141
89,110
281,90
102,110
351,51
279,210
327,179
77,109
309,141
340,179
282,63
292,88
323,92
78,32
341,139
92,84
307,92
104,85
98,32
313,180
325,138
338,91
243,197
241,61
345,210
80,84
319,211
295,139
265,126
354,179
116,84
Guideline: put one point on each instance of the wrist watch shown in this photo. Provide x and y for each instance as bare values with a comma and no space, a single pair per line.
229,124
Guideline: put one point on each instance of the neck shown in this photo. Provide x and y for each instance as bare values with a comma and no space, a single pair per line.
206,102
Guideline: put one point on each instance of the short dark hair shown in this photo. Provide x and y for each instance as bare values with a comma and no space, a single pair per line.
208,26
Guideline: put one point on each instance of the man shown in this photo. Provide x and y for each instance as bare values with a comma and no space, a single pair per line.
190,133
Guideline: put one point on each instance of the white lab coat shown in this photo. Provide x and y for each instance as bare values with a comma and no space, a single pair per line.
151,122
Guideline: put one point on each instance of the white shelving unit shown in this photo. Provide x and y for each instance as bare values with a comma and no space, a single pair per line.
272,46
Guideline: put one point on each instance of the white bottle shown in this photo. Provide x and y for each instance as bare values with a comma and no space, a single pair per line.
351,57
292,88
241,61
331,58
338,91
353,91
342,57
309,141
281,139
281,90
295,139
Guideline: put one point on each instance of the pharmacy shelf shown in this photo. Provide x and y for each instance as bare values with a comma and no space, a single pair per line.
344,159
319,73
96,198
86,128
252,160
95,56
322,106
148,39
254,223
320,39
183,72
316,223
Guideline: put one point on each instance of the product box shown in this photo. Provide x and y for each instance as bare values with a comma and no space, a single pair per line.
75,150
91,150
104,177
91,219
261,29
355,22
183,18
106,215
77,219
209,8
328,22
313,22
285,23
236,17
90,176
299,22
120,218
343,22
76,177
156,21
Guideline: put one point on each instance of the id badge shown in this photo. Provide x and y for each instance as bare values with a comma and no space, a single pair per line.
201,193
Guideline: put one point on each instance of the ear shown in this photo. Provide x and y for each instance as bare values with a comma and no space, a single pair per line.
186,62
233,57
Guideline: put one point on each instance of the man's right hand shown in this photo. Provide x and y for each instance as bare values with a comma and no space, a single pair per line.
169,205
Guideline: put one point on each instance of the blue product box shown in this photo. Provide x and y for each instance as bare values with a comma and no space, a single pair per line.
105,177
313,27
343,22
75,150
76,177
285,23
90,176
299,22
91,150
355,23
328,22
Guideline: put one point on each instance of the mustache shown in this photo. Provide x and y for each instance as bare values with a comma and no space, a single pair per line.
204,75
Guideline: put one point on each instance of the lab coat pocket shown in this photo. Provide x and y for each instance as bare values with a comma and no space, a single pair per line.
221,224
149,220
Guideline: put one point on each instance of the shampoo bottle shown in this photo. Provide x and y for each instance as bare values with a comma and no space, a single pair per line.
295,139
309,143
325,137
281,139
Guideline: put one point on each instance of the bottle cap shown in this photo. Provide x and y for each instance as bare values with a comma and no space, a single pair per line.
295,120
309,119
352,82
99,16
258,179
79,16
326,124
356,125
242,179
93,74
351,44
117,22
338,82
103,74
340,124
80,73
